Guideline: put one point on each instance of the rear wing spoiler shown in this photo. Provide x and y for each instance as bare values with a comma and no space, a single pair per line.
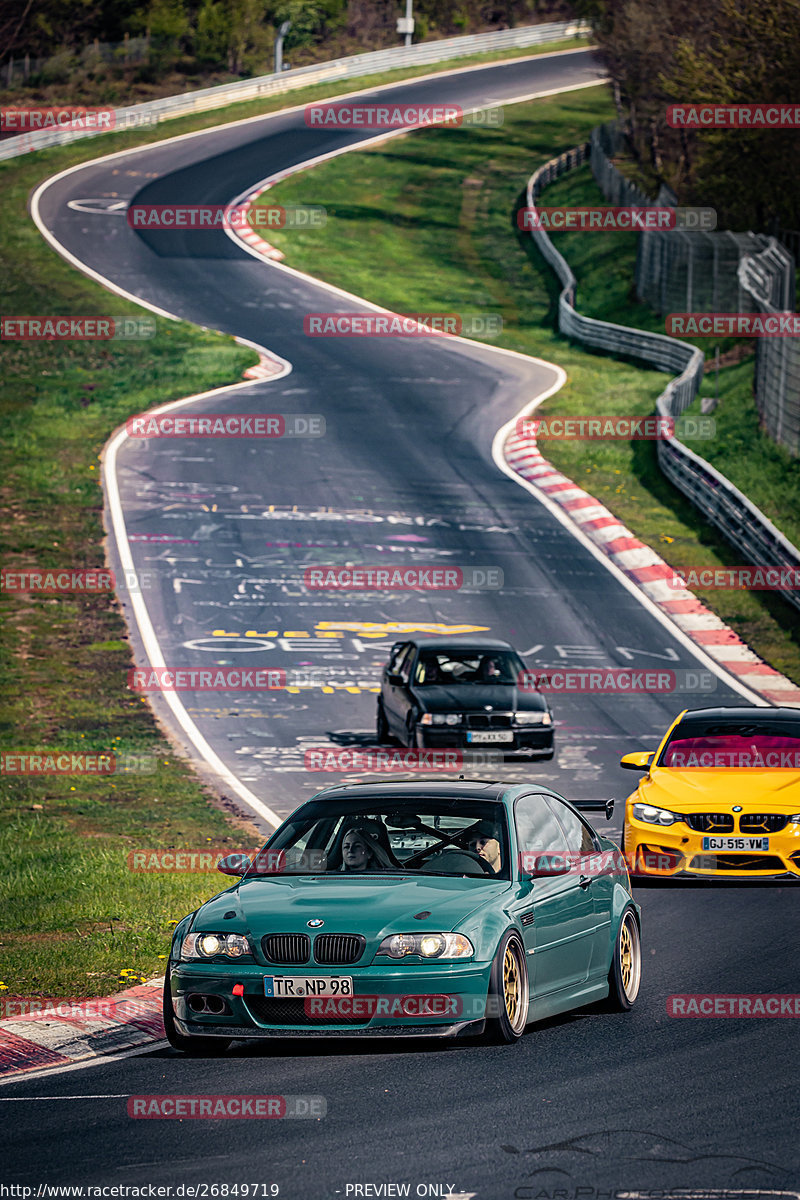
605,806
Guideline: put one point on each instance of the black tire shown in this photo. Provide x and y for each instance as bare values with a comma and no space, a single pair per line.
506,1016
381,726
625,972
188,1045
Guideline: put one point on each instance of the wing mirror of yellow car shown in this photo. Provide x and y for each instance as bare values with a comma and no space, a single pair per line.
638,761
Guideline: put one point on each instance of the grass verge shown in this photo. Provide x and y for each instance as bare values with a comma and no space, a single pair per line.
437,212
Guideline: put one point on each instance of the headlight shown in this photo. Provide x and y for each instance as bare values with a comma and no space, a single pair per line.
655,816
533,718
427,945
209,945
795,820
440,719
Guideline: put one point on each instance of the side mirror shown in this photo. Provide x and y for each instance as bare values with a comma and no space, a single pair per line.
534,865
234,864
395,680
639,761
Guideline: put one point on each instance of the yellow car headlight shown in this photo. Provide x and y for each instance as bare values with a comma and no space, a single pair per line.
652,815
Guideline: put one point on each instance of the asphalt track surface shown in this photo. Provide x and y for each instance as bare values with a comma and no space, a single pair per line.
405,474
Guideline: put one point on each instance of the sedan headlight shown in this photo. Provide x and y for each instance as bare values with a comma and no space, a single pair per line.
440,719
427,945
655,816
209,945
533,718
795,819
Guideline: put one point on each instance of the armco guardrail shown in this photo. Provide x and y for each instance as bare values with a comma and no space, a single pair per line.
207,99
723,505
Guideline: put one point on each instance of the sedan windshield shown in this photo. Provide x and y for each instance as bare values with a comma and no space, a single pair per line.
437,667
721,746
441,836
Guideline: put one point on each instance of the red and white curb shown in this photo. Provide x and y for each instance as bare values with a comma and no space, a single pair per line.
649,572
69,1031
249,235
267,367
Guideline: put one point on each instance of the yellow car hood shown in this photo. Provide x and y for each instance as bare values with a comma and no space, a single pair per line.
700,790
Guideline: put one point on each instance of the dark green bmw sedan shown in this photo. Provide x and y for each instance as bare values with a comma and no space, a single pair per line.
423,909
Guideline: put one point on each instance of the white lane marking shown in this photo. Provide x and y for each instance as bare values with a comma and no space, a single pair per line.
146,629
147,632
97,1061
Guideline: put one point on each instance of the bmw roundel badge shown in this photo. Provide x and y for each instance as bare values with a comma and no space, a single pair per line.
737,808
315,924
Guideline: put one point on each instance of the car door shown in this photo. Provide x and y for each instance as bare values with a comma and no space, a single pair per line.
595,868
396,696
555,911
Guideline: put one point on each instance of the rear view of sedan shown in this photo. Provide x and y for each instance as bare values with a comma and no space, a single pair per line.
465,693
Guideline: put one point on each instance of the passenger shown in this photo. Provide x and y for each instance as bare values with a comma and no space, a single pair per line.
432,674
490,669
362,852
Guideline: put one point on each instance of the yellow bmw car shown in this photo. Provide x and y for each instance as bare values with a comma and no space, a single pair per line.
720,797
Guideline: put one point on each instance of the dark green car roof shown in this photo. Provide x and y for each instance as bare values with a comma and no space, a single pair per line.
473,642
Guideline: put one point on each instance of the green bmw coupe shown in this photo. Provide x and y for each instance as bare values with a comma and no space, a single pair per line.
423,909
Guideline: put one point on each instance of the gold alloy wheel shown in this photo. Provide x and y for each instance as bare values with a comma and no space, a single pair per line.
515,987
630,961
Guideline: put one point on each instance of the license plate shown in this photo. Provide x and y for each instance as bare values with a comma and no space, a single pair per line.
736,843
500,735
285,986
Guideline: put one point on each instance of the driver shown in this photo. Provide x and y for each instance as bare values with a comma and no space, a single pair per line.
362,852
486,844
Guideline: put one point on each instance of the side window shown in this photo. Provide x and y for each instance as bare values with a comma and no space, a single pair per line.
579,835
537,827
404,664
398,651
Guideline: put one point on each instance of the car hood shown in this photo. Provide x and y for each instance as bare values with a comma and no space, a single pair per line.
702,790
373,907
472,697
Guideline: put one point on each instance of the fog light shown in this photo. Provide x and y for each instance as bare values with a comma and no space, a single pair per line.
658,859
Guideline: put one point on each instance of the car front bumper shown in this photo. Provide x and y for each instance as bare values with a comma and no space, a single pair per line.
676,850
387,1001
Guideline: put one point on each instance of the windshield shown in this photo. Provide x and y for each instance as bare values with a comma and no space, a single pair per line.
442,836
437,667
739,746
